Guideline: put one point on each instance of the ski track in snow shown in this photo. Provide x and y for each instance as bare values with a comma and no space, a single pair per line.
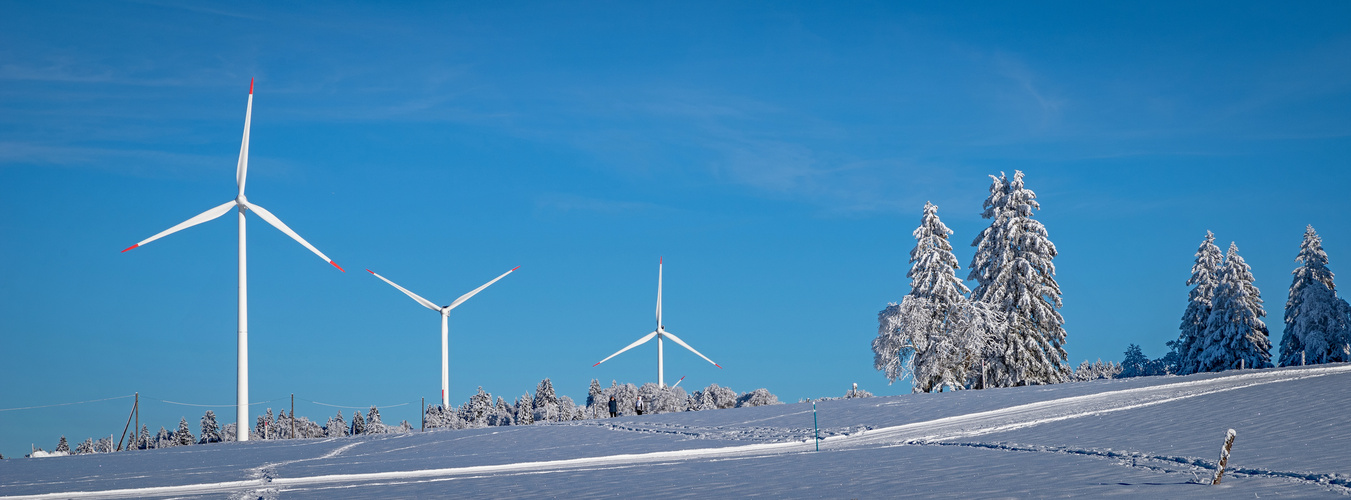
936,432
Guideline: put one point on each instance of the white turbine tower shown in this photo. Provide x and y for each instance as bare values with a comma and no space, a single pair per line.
659,333
241,170
445,332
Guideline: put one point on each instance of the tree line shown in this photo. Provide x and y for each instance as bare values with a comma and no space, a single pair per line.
480,411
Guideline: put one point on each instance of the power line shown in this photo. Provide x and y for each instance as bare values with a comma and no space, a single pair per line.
354,407
68,404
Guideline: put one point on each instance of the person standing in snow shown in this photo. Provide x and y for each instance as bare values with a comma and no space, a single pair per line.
614,407
638,406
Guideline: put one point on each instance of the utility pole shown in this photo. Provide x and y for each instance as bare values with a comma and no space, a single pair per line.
424,415
293,415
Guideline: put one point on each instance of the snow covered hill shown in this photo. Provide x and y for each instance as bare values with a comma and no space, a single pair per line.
1152,436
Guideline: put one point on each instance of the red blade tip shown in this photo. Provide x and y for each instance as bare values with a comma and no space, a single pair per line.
597,364
335,264
717,365
515,268
250,86
370,271
131,247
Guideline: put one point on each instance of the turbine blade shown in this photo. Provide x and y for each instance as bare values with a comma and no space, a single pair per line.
659,259
200,218
405,291
631,346
687,346
242,169
479,289
277,223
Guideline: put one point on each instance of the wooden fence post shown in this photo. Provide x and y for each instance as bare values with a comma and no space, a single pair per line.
1224,455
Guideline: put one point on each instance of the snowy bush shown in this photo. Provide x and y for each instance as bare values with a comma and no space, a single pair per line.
758,397
855,392
712,397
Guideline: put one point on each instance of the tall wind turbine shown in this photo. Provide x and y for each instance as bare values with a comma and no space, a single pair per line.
659,333
241,170
445,332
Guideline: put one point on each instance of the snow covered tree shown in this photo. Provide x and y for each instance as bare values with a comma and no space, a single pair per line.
758,397
183,436
927,335
358,424
596,403
938,346
163,439
104,445
501,414
210,429
933,269
525,410
336,427
1204,279
263,423
567,409
1315,318
1235,335
1015,276
712,397
63,446
86,447
373,423
475,414
1096,370
143,439
545,402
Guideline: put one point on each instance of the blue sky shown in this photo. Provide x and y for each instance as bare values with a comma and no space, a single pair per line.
776,154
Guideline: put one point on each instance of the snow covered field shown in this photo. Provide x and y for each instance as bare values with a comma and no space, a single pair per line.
1151,436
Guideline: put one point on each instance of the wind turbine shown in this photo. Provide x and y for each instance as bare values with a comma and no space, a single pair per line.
659,334
445,333
241,170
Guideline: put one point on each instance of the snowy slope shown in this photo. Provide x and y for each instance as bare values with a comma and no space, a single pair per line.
1154,436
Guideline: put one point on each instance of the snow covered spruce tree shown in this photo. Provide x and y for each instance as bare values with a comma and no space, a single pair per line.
183,436
1235,335
1315,318
1205,277
1014,276
63,446
545,404
935,335
210,429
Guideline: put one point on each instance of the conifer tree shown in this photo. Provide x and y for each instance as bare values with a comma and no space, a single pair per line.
336,427
1204,279
86,447
1235,335
183,436
525,410
1015,277
358,424
1315,318
63,446
210,429
373,423
546,402
595,399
